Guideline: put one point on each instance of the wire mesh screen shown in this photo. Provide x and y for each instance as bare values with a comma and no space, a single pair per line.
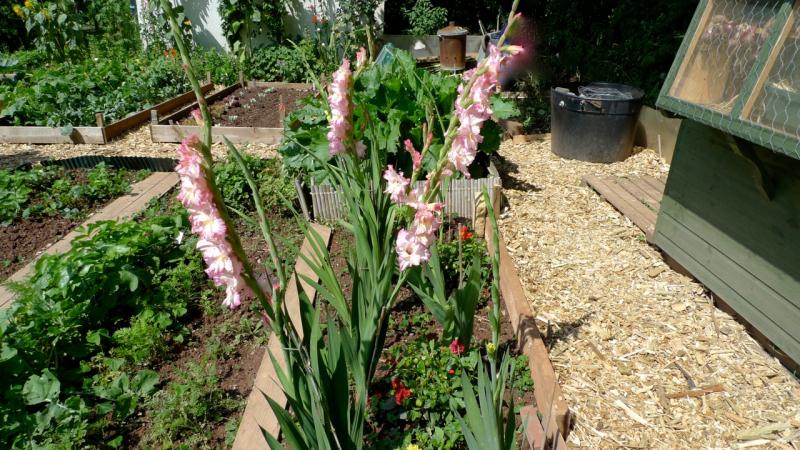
725,52
777,102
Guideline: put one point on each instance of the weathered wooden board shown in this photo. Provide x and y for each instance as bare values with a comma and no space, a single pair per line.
716,222
546,389
51,135
237,135
90,135
258,415
123,207
635,198
184,112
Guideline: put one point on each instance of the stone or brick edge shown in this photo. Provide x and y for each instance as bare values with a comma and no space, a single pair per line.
123,207
550,401
258,416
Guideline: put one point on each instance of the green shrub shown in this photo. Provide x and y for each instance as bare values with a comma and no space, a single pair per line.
431,374
224,68
286,62
425,18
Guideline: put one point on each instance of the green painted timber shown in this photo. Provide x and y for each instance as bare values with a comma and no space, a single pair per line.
732,122
717,222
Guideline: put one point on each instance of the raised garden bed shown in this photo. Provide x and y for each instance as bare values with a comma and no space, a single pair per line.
102,133
245,112
145,355
43,204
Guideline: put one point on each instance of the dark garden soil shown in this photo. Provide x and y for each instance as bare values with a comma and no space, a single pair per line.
254,107
242,335
22,239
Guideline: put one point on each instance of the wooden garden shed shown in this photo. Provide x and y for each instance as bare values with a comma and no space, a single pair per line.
731,209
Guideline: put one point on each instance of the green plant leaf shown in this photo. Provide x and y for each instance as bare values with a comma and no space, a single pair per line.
41,389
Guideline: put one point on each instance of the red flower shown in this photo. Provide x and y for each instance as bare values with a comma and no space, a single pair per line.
451,372
456,348
401,392
464,233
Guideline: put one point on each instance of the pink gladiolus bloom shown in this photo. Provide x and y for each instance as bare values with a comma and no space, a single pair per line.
361,58
208,224
410,252
339,102
198,117
416,157
427,222
396,184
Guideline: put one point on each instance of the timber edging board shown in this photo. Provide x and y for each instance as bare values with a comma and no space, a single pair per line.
257,414
123,207
165,130
550,400
101,134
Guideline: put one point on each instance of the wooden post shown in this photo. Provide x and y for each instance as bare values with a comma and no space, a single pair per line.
281,109
154,117
241,79
208,77
100,122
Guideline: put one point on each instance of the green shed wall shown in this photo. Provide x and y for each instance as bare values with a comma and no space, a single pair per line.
744,246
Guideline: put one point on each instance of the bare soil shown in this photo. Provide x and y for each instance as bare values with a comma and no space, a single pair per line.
24,238
254,107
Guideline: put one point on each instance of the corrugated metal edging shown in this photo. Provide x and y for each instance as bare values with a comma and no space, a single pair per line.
459,199
119,162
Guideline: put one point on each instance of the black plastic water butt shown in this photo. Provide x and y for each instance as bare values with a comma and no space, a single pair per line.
594,122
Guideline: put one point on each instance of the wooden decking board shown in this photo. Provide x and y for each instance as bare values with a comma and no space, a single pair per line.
625,202
257,414
656,183
640,193
123,207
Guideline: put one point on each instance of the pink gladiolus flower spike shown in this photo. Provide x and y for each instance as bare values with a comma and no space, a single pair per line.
339,102
222,265
416,157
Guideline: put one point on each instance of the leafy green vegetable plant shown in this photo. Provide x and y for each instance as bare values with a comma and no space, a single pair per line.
51,190
397,99
80,330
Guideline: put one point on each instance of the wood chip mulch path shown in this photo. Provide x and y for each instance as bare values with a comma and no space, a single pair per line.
627,334
136,142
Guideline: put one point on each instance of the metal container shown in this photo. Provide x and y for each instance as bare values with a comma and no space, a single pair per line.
452,47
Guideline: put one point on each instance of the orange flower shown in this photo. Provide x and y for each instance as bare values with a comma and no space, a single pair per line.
464,233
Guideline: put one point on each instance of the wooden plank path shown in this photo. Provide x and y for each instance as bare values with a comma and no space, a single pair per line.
123,207
258,415
637,198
